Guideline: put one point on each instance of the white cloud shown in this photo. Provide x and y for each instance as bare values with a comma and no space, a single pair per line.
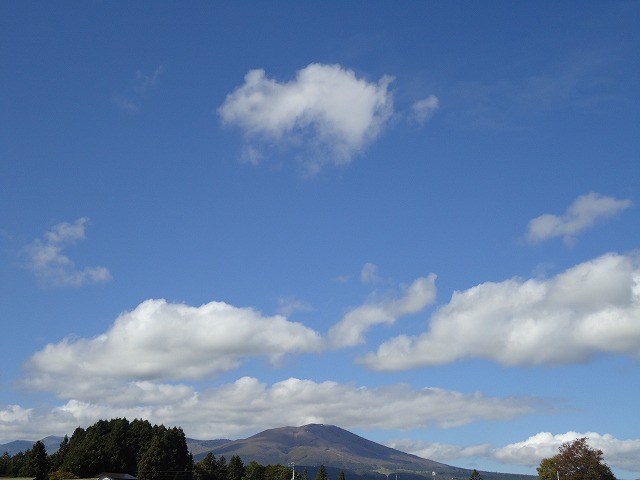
589,309
582,214
51,267
369,273
247,406
622,454
351,329
440,452
326,105
289,305
424,109
160,340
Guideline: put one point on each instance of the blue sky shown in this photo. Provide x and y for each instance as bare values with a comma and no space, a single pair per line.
417,221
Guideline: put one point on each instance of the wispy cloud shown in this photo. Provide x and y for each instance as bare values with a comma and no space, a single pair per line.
582,214
589,309
579,79
440,452
247,405
51,267
423,110
327,106
351,329
289,305
142,83
369,273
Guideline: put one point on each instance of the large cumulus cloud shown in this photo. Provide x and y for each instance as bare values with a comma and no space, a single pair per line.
333,111
589,309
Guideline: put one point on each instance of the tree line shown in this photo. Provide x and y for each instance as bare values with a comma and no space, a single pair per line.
148,452
116,445
154,452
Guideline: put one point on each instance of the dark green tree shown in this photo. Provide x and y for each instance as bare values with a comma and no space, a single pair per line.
5,464
222,469
58,457
235,470
72,460
475,475
118,455
167,458
277,472
575,461
154,463
341,476
305,474
17,464
206,469
85,457
322,473
36,462
139,439
254,471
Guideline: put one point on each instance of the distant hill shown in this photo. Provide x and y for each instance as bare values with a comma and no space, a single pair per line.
338,449
203,446
51,444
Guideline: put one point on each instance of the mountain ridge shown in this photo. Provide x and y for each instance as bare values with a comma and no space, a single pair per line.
338,449
51,444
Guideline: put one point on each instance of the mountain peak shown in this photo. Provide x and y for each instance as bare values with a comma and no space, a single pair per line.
337,449
319,444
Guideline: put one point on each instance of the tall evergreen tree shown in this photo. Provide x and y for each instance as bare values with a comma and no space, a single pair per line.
475,475
235,470
57,458
167,458
206,469
116,450
72,461
17,464
5,464
341,476
222,469
322,473
254,471
37,462
138,440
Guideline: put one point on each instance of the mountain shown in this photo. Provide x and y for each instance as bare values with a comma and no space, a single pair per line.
313,445
51,444
203,446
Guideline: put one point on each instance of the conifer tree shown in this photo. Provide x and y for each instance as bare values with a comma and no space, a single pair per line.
37,462
322,473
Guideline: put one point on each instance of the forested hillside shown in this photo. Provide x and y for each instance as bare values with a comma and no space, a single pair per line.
149,452
137,448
